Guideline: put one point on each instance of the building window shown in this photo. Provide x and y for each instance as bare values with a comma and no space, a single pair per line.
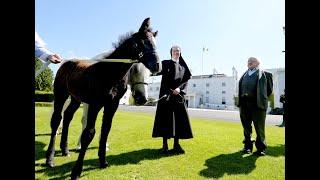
207,84
223,84
207,99
194,85
207,92
157,88
150,89
223,92
223,100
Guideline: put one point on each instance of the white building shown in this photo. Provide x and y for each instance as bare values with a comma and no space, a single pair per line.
278,84
214,91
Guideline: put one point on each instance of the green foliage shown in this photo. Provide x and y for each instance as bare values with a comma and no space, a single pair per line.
43,104
44,81
44,96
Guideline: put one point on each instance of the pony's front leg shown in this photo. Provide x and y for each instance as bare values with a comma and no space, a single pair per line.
110,108
86,138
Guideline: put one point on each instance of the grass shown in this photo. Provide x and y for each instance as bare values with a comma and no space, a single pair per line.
213,153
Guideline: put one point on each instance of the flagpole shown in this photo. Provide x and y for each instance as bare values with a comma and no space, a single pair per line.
205,83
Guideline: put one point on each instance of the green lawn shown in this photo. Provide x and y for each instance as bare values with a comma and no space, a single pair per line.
213,153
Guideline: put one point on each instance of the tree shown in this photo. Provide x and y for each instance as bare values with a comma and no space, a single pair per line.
44,81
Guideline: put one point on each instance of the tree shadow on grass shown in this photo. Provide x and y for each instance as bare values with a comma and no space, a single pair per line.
133,157
236,163
39,148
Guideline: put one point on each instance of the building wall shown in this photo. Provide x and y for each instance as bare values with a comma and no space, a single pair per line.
203,96
278,84
213,90
198,95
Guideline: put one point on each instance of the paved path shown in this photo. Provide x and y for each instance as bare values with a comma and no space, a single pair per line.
205,114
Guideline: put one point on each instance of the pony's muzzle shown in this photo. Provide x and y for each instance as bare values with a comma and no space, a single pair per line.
139,99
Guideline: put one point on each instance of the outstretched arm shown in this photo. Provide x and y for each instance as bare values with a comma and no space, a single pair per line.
43,53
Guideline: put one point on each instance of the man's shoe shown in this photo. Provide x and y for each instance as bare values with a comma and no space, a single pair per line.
260,153
178,149
246,150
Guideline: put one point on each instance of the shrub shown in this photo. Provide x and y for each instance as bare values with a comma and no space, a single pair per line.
43,96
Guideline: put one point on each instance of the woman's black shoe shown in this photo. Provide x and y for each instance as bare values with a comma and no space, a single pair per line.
178,149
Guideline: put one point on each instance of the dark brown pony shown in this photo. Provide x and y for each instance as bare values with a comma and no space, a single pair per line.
98,84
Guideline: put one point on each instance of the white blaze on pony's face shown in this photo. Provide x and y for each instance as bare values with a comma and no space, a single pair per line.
154,41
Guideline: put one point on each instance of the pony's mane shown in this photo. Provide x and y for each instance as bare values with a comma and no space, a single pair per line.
122,39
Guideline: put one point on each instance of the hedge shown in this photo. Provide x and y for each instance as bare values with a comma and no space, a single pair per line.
43,104
43,96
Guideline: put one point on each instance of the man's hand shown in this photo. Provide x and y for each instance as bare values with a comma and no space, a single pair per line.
55,58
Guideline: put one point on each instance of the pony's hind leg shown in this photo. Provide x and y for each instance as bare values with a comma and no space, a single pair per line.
67,117
86,138
54,123
83,122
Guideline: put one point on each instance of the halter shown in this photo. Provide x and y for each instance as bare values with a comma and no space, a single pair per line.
132,86
141,53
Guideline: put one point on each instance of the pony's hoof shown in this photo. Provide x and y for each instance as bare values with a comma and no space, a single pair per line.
65,150
50,163
74,177
104,164
66,153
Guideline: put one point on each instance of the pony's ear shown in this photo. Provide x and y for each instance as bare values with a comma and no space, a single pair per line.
145,25
155,34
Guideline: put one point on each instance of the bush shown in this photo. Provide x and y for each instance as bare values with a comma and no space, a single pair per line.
44,81
43,104
43,96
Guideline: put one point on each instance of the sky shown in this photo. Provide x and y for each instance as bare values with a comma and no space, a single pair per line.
231,30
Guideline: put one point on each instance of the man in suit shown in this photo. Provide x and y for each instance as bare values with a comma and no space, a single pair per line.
172,120
255,86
